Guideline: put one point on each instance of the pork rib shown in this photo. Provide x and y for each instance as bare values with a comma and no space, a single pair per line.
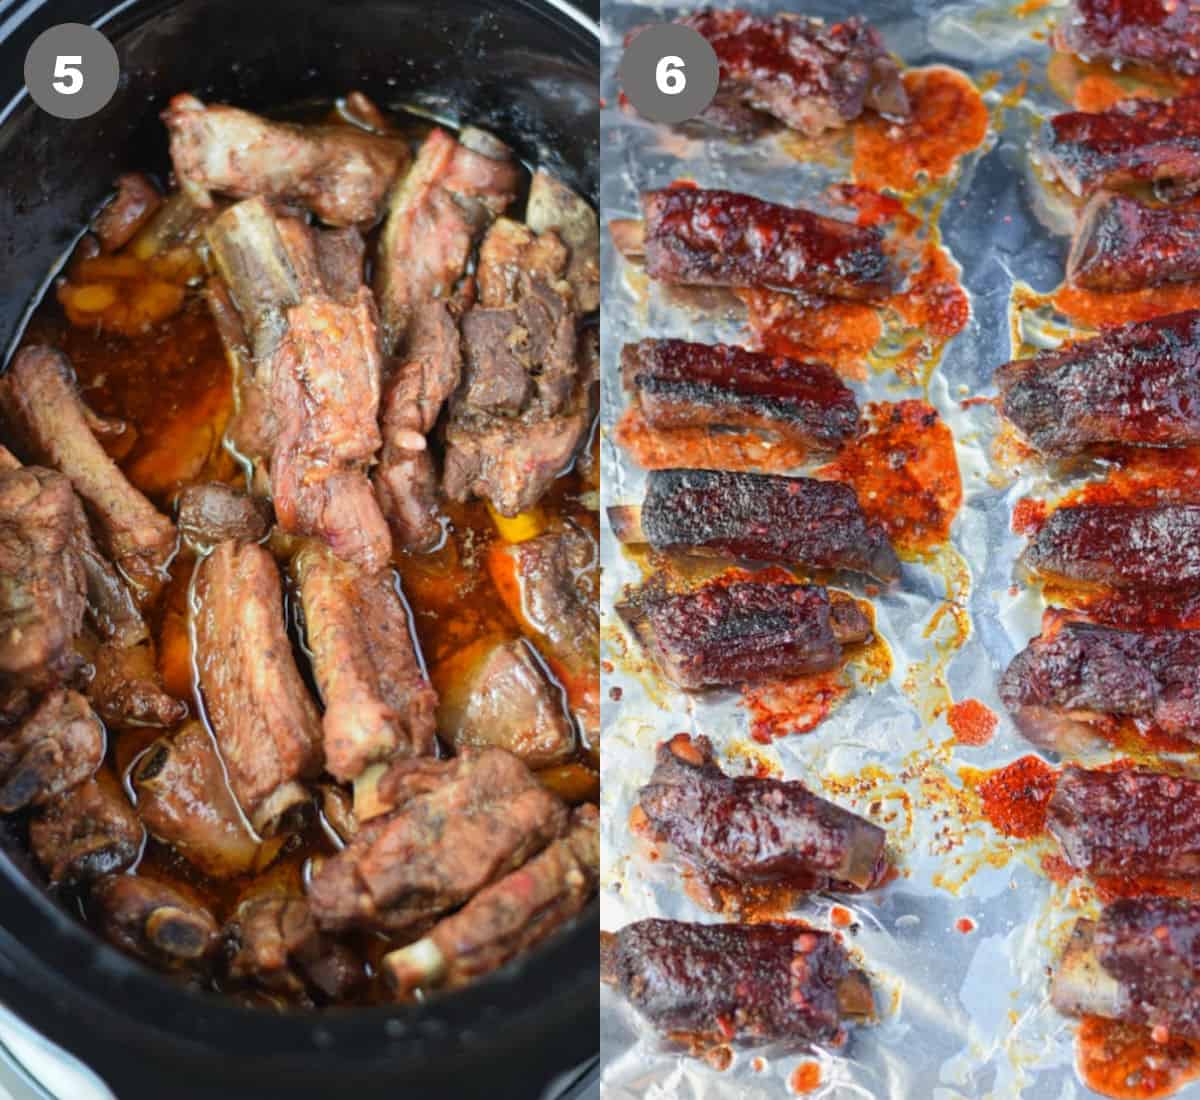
1124,244
1161,35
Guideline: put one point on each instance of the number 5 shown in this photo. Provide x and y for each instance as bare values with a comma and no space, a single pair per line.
669,75
70,79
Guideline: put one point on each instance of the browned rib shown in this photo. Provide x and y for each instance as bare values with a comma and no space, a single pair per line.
1124,244
153,920
1164,35
60,745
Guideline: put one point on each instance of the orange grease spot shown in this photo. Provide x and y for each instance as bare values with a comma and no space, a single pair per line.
1015,797
1127,1063
1029,514
840,916
781,707
805,1078
965,925
972,722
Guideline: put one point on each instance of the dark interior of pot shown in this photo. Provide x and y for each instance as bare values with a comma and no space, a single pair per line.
524,70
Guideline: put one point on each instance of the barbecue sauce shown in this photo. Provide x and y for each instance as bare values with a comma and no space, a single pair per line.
973,723
1128,1062
1015,798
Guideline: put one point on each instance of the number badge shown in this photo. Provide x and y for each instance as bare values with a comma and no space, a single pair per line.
669,73
71,71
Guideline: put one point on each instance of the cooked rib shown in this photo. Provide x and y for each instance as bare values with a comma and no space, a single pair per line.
554,206
341,173
1129,822
458,825
379,705
266,725
512,250
721,238
1077,674
88,831
678,384
60,745
184,799
1120,545
745,832
213,512
153,920
39,397
500,696
1124,244
1135,141
1138,384
449,196
764,517
810,76
111,605
710,984
1166,35
135,203
719,634
126,689
1140,962
415,390
506,918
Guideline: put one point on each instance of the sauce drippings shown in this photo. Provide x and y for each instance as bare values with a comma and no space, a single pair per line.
973,723
1127,1063
1015,797
805,1078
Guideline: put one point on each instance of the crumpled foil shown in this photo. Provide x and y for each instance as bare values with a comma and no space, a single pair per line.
963,1014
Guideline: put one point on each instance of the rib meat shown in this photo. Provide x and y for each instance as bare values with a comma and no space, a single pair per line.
746,832
135,202
1161,34
719,635
458,825
126,689
213,512
266,726
1120,545
1077,674
677,384
341,173
1134,141
1138,384
507,918
153,920
1129,822
764,517
809,76
552,206
1123,244
379,704
721,238
60,745
709,984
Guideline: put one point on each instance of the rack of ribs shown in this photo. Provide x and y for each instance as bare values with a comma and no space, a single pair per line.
507,918
1128,822
1139,962
1076,675
266,725
710,984
677,384
720,635
695,237
1137,384
340,173
1124,244
764,517
1119,545
1134,141
810,76
742,831
1163,35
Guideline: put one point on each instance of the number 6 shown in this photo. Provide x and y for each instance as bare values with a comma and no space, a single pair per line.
70,79
669,75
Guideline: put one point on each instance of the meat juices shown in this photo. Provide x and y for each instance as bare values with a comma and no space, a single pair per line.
39,399
745,832
696,237
1162,35
58,746
1136,384
1119,545
721,635
818,524
1140,963
508,917
379,705
677,384
810,76
1130,822
711,984
341,174
1078,673
1134,141
458,825
1123,244
265,723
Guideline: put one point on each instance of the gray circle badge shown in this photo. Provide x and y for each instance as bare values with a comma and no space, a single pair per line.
71,70
670,73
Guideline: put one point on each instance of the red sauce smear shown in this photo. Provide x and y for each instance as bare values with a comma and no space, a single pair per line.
1029,514
949,120
965,925
1016,796
905,472
1128,1063
1097,308
840,916
973,723
805,1078
781,707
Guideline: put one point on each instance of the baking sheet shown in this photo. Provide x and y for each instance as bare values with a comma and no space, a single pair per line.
963,1014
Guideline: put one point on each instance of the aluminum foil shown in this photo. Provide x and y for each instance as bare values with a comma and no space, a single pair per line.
963,1014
